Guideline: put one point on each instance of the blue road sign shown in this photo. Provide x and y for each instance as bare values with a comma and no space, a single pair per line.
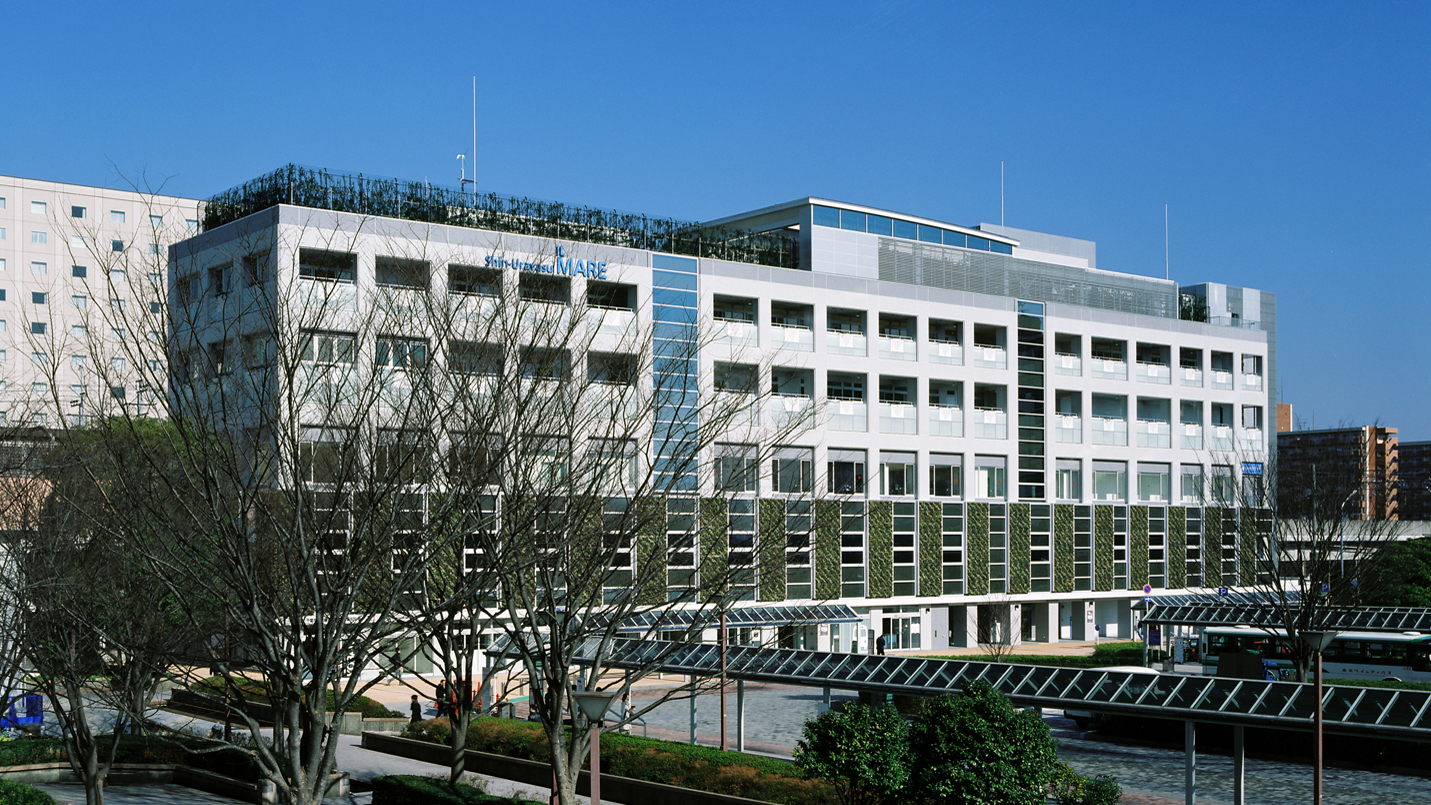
1222,591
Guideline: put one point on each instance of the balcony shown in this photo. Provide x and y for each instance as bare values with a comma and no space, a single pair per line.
613,321
737,409
1251,439
1111,431
989,357
946,352
1151,433
1190,376
1108,369
1154,373
1252,382
946,421
851,416
737,333
1071,365
991,423
1192,437
901,418
1222,438
1068,429
792,413
616,402
797,339
844,342
897,349
1221,379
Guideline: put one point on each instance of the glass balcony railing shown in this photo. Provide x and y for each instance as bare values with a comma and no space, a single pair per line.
990,423
1109,369
1192,437
1068,429
1189,376
844,343
898,418
793,338
1251,439
848,415
1252,382
737,333
946,421
1221,380
989,357
792,413
620,323
897,349
1154,373
1110,431
1068,365
737,409
1154,434
1222,438
946,352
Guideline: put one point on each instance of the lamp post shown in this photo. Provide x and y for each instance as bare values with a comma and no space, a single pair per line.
594,704
1319,642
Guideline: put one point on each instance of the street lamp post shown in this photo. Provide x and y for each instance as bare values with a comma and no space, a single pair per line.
594,705
1319,642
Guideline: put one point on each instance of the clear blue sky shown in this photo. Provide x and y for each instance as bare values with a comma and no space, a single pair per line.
1292,142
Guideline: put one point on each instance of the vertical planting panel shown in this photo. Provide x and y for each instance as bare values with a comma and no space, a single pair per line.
1019,550
976,551
1063,549
931,548
1177,547
1137,546
881,552
715,546
1102,548
771,548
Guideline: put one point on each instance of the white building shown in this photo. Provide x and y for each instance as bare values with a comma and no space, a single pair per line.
1007,430
73,260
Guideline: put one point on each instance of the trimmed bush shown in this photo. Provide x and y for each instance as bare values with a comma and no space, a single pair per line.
13,792
254,690
406,789
1071,788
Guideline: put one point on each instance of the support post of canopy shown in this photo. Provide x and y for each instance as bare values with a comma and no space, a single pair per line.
1189,763
1239,766
740,715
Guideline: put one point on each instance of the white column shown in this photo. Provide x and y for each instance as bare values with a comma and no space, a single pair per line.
1239,767
740,715
693,712
1189,763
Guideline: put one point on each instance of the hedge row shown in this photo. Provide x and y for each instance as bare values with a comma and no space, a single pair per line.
406,789
254,690
13,792
139,749
679,764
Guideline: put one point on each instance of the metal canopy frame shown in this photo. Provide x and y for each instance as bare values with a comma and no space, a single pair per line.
1350,619
1385,713
742,617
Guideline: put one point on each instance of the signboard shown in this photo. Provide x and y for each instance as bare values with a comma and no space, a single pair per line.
1155,636
1180,650
1326,588
1222,591
1147,588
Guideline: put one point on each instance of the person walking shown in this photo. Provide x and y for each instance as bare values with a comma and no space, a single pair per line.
879,645
416,707
440,697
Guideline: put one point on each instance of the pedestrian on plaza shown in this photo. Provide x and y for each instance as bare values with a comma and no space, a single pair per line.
416,709
440,698
879,645
397,665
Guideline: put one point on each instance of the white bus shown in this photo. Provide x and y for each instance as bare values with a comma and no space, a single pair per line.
1401,657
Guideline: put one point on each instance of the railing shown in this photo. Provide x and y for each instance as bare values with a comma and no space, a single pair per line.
1251,439
838,342
613,322
991,423
898,418
1192,437
792,413
1154,373
1221,379
1222,438
1189,376
1067,429
794,338
847,415
1154,434
1068,365
989,357
947,352
946,421
1252,382
737,333
1109,369
1111,431
897,349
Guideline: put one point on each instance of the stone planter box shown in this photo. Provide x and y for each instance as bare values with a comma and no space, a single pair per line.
260,792
531,772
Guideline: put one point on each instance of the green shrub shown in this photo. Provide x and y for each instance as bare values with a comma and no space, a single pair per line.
1071,788
406,789
31,750
13,792
433,731
978,747
254,690
863,751
1101,790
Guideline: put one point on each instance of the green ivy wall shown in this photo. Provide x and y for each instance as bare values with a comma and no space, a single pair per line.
827,549
1137,546
1102,548
931,548
715,545
881,553
1177,550
771,549
976,549
1019,550
1063,551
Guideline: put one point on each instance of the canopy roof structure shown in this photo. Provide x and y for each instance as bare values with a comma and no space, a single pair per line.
742,617
1381,712
1210,598
1349,619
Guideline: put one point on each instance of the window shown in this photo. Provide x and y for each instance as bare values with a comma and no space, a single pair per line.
39,359
991,477
946,475
2,356
39,237
896,474
156,307
1191,484
39,268
735,468
1223,491
156,221
474,281
38,208
79,271
255,266
218,279
116,245
116,304
77,212
316,264
116,334
39,389
469,358
400,456
320,347
116,216
258,350
217,366
544,289
1068,479
1110,480
1154,483
616,466
188,289
80,301
538,363
154,250
79,331
191,224
734,308
321,452
611,369
403,353
399,272
792,470
118,363
38,297
76,241
845,472
735,378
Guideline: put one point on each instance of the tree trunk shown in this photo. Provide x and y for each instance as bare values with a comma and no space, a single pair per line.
459,745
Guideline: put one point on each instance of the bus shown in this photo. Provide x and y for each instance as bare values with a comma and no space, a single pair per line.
1395,657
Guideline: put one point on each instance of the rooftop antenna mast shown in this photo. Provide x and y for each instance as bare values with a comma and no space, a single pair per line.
463,157
1001,192
1167,266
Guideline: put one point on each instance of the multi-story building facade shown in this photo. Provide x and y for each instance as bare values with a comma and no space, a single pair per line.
74,261
1360,464
993,420
1414,481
